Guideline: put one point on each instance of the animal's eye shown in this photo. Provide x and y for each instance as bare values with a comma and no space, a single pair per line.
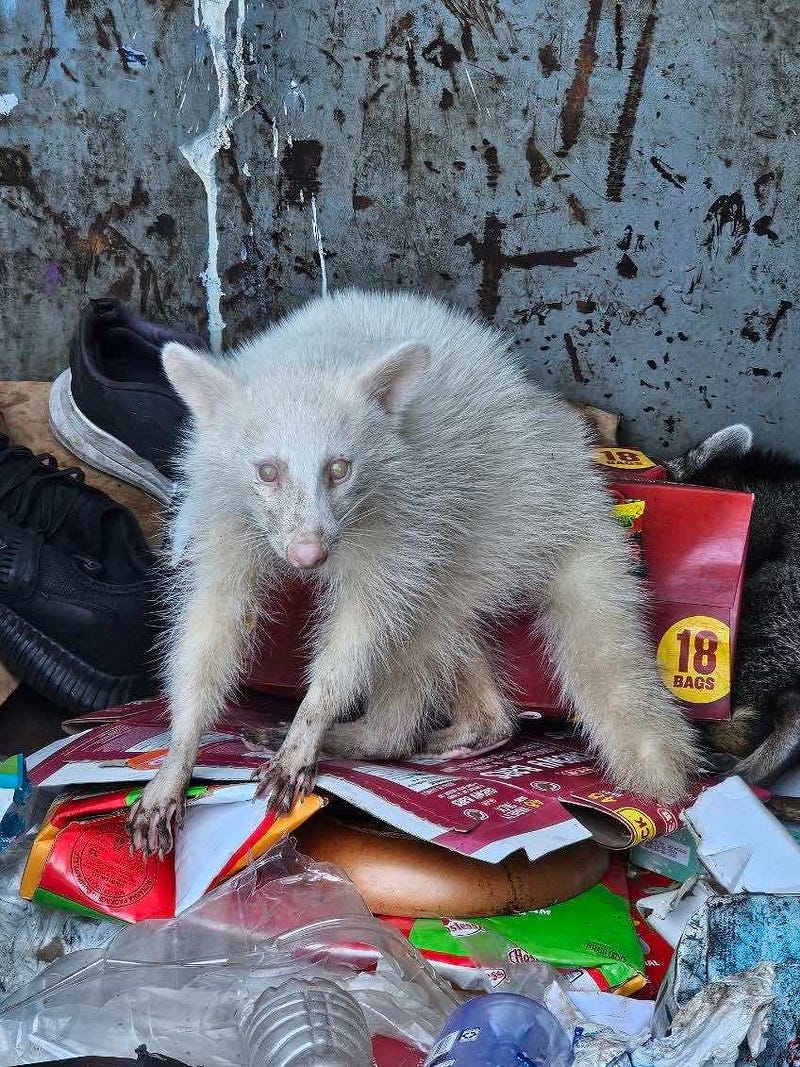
267,471
339,469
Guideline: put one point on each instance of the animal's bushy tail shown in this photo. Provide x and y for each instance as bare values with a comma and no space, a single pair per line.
725,445
780,749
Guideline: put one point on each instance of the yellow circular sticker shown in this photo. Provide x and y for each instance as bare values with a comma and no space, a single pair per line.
627,459
644,829
695,659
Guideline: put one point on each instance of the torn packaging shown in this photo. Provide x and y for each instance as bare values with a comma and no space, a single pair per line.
540,792
727,940
79,859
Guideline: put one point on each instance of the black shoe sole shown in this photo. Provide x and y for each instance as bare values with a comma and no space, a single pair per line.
60,675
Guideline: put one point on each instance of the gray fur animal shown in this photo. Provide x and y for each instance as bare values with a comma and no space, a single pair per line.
765,726
389,448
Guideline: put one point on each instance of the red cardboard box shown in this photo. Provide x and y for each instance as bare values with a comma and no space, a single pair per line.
694,541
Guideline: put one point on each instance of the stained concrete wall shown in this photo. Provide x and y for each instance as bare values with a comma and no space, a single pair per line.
614,183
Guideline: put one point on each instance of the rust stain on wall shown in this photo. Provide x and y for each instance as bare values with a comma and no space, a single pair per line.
538,165
619,35
728,212
494,261
548,59
572,352
300,171
622,138
575,96
783,308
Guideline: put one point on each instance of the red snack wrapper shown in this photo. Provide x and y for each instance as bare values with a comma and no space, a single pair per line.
81,858
657,952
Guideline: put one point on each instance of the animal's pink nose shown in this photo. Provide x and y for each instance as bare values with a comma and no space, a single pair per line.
306,553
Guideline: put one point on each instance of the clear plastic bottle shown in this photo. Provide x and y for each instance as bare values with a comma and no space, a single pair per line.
504,1030
307,1023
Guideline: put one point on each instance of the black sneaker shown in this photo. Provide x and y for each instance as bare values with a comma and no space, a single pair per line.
77,583
114,408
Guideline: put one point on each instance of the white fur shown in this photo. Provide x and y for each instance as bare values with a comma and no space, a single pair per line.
472,493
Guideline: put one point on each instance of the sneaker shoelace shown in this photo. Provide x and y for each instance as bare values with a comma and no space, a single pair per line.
24,481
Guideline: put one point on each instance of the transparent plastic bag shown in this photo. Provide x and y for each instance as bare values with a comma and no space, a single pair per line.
502,966
181,986
32,937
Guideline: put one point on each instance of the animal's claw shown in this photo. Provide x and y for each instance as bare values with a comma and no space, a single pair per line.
284,785
151,825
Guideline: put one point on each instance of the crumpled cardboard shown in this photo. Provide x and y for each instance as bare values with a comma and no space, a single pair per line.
540,792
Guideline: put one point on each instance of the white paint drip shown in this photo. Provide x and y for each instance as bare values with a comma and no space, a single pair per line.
8,101
275,141
183,88
201,156
317,232
246,170
213,13
238,57
201,153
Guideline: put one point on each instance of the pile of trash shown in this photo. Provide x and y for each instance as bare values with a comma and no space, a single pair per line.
683,951
501,907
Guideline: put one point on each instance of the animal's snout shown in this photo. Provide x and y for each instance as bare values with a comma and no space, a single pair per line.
306,552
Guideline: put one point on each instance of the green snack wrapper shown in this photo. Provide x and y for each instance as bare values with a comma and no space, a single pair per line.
591,937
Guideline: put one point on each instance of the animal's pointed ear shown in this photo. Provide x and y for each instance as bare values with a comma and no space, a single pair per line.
199,382
391,380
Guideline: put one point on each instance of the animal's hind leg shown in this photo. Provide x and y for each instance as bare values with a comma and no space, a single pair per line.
394,722
482,717
389,728
608,672
420,678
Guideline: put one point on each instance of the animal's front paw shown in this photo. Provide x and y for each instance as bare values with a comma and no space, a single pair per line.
285,780
155,816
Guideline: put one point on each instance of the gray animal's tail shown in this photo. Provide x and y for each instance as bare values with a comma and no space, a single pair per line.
729,444
780,750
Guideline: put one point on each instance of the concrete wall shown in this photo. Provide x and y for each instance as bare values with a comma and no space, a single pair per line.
614,183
